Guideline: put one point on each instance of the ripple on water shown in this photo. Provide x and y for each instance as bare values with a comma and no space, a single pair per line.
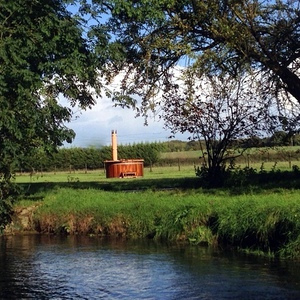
93,269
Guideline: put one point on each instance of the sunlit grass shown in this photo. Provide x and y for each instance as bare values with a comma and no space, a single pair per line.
99,175
167,203
155,172
267,222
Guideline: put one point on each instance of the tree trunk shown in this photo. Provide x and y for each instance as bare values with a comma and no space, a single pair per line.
290,79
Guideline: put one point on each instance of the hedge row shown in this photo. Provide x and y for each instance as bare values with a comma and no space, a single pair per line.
89,158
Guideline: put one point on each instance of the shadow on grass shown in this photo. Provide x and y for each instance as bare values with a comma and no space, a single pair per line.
30,189
256,183
264,181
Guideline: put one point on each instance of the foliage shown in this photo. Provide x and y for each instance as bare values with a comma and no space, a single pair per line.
171,153
43,57
215,36
219,111
150,152
277,139
88,158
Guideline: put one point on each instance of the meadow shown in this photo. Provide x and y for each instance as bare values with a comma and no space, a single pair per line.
283,157
260,216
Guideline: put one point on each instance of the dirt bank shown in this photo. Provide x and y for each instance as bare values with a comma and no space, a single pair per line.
22,220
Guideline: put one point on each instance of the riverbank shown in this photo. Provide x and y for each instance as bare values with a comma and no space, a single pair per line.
265,222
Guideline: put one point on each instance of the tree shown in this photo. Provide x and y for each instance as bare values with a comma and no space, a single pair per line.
213,36
220,111
43,57
279,138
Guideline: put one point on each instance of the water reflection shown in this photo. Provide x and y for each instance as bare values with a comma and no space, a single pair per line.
45,267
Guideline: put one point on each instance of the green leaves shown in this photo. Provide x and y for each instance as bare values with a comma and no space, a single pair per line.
43,56
225,36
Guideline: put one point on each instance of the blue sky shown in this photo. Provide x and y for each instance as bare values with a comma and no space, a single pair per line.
93,127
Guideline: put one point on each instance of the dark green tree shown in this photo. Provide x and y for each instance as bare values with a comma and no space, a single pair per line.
44,58
213,36
279,138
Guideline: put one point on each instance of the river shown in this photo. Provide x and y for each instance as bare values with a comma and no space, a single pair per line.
48,267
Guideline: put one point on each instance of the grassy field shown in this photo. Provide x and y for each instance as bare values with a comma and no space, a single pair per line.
263,223
281,157
271,151
99,175
178,170
166,204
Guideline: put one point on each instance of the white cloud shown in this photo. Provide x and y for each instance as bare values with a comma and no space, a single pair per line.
93,127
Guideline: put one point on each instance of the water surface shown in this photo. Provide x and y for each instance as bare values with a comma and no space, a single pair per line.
45,267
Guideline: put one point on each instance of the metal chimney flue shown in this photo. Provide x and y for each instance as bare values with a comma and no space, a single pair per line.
114,145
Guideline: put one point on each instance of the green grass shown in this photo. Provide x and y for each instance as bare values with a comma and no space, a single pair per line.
283,157
156,172
267,222
167,204
99,175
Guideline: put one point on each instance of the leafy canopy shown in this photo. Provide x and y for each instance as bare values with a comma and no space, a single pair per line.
43,57
221,112
225,40
214,36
